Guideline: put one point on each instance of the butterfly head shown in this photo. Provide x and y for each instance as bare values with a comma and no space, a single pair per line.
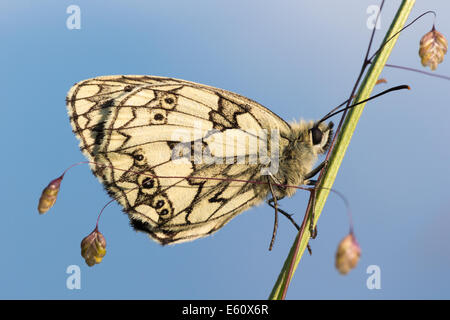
320,135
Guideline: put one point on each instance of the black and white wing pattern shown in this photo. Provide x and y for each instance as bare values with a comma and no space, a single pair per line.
151,140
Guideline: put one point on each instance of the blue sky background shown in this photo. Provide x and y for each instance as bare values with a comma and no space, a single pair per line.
300,59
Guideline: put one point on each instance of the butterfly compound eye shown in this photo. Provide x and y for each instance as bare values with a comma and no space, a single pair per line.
316,135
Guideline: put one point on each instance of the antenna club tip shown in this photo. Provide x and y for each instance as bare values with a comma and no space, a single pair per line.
403,86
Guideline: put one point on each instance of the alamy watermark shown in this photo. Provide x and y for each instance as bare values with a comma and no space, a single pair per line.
374,280
372,21
74,19
74,280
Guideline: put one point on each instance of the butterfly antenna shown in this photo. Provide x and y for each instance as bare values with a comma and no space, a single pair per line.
332,114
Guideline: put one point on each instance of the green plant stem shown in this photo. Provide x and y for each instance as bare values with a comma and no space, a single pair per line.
340,148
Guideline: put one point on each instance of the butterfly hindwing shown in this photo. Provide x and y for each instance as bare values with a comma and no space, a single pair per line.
144,135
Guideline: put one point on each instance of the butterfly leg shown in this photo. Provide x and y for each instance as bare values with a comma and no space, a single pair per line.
315,171
270,202
312,173
312,229
275,206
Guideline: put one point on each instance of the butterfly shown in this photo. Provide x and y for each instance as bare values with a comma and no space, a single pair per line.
183,158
